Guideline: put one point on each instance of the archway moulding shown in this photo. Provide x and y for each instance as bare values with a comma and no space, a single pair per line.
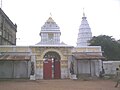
52,50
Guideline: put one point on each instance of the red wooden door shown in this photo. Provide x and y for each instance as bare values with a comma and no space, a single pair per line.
57,72
47,69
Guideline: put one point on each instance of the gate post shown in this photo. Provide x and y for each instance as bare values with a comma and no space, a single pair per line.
33,68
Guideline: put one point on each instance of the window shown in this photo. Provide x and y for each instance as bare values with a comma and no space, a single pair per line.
4,34
50,36
10,38
0,33
0,41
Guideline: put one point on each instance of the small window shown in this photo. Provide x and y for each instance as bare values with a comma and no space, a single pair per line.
0,33
50,36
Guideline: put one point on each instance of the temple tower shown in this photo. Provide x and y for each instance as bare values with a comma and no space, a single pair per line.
85,33
50,33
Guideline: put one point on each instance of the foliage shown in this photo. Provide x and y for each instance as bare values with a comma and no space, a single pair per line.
110,47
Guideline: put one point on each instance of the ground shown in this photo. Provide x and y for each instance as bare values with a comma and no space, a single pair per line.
58,85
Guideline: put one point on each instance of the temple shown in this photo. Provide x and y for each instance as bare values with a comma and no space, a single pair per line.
51,59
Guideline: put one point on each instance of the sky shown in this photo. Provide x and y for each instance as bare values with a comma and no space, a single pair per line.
30,15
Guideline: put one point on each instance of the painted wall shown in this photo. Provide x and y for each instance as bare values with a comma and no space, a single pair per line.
88,67
14,69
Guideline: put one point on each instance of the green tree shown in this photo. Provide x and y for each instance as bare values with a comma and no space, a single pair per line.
110,47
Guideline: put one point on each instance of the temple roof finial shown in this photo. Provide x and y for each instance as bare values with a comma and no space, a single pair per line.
50,18
50,14
83,13
84,17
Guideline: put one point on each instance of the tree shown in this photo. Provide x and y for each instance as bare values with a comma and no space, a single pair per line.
110,47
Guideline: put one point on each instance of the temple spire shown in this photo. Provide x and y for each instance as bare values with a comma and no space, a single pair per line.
85,33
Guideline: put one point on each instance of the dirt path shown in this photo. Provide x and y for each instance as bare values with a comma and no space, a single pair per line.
57,85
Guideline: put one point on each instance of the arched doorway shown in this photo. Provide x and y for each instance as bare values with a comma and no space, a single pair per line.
51,65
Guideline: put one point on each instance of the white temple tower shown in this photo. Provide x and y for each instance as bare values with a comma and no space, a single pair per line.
85,33
50,33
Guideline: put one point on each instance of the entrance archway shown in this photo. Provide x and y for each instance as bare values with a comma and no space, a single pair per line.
51,65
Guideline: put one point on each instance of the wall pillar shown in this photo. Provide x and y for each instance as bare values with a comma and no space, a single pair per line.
33,68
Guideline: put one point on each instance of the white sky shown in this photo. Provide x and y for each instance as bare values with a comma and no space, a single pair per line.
103,17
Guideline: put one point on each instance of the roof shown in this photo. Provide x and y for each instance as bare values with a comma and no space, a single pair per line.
51,45
8,19
50,25
85,56
15,57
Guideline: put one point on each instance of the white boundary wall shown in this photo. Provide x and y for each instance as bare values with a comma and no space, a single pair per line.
110,66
